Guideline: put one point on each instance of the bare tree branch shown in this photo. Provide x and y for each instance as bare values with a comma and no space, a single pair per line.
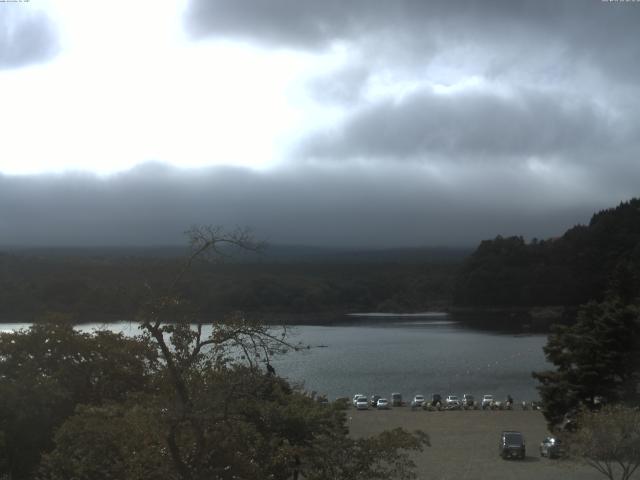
185,348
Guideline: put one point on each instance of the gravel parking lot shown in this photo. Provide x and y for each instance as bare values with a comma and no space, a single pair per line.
464,444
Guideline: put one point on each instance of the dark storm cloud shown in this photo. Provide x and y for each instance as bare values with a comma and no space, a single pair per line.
304,24
602,32
308,23
153,205
470,125
558,78
290,23
548,134
24,37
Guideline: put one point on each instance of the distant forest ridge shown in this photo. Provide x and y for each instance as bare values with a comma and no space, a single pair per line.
586,263
110,283
271,253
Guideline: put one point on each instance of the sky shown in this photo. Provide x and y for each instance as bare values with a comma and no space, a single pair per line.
365,123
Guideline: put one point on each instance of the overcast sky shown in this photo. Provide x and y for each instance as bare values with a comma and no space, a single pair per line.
362,123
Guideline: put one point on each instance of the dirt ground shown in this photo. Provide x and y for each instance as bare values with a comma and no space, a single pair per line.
464,444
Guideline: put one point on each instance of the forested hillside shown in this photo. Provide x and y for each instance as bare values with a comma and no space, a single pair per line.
584,264
112,285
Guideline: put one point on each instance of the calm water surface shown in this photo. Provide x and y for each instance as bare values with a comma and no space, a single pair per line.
415,356
409,355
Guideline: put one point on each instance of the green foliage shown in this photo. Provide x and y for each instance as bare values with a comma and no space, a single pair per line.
49,369
75,415
608,440
384,456
113,441
264,430
586,263
599,356
175,403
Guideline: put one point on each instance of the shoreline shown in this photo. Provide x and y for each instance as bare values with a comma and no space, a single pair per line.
511,319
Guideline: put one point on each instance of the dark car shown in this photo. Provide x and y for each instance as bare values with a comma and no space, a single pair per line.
512,445
551,447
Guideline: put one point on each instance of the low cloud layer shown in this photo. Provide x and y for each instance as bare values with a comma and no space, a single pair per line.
471,126
154,204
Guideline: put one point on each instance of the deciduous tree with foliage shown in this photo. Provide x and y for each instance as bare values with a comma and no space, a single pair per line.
49,369
184,400
216,423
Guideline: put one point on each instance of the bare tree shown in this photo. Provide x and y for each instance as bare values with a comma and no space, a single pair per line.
608,440
185,349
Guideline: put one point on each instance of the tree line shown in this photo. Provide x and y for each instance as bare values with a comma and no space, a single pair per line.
591,395
587,263
114,287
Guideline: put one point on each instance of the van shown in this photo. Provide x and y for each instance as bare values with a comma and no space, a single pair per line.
396,399
511,445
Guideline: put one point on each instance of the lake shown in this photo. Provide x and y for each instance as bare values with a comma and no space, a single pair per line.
415,355
429,353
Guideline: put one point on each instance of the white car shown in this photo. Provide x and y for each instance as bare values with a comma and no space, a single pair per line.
487,401
362,403
356,397
382,404
551,447
452,401
418,401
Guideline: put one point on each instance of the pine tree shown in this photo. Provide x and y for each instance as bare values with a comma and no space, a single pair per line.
597,358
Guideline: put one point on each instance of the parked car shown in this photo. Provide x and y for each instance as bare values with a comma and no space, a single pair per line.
418,401
396,399
382,404
356,397
487,401
468,401
362,403
374,399
511,445
452,402
551,447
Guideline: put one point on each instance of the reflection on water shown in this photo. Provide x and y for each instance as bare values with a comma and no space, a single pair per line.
371,315
426,322
424,354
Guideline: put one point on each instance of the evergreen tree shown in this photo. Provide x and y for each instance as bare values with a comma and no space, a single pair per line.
586,263
598,357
